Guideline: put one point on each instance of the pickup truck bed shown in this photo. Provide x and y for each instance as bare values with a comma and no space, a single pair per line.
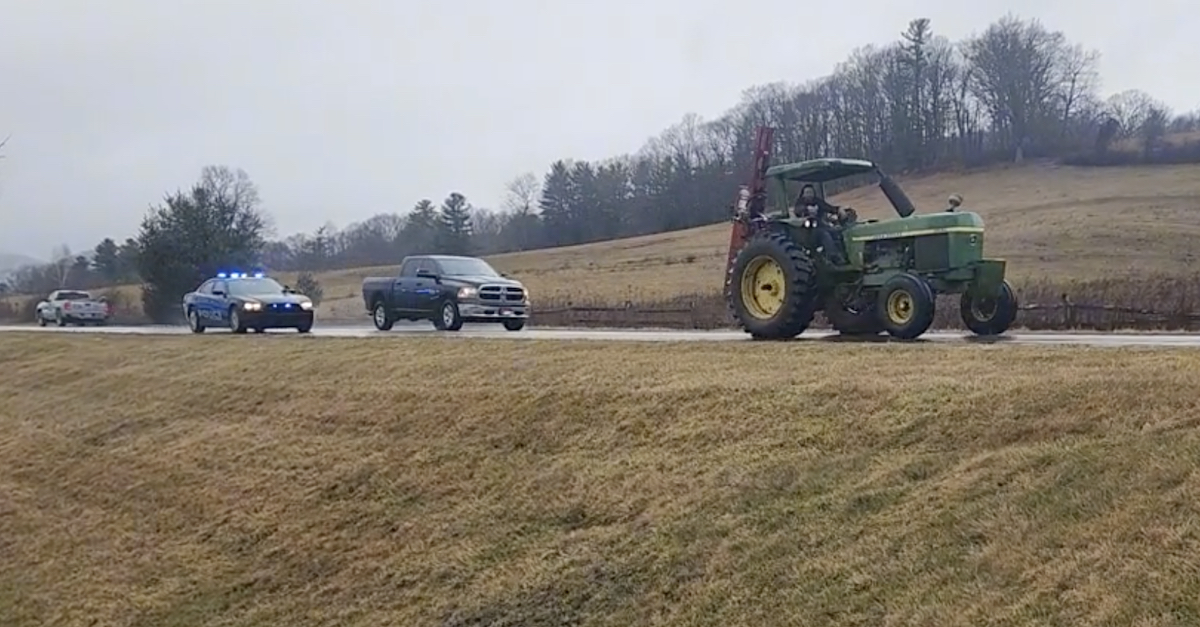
65,307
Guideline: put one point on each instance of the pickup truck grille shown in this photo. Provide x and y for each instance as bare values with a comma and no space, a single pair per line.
502,292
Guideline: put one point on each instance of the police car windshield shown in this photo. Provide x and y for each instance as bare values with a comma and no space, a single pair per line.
250,287
466,267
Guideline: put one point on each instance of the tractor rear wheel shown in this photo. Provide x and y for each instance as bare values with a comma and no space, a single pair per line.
989,315
906,306
772,287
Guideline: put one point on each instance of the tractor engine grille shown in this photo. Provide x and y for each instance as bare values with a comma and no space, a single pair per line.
502,292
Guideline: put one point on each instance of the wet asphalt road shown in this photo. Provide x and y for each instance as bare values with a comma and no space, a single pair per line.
644,335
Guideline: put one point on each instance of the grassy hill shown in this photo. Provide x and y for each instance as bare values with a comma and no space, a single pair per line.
584,484
1049,222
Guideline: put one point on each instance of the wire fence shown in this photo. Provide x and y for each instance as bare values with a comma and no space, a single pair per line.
712,313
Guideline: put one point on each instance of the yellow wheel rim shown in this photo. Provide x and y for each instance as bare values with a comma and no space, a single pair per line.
900,307
763,287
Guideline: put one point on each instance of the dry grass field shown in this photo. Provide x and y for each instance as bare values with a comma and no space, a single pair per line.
294,481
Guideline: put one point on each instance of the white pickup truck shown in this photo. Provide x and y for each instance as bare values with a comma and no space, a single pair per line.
71,306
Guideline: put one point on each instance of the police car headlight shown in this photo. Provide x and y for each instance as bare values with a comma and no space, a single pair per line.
306,305
467,292
252,306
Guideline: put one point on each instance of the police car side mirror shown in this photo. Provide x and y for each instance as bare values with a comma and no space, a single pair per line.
218,292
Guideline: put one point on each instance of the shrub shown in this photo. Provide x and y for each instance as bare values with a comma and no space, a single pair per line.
308,285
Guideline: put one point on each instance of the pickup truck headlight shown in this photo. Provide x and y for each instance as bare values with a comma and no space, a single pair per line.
306,305
252,306
468,292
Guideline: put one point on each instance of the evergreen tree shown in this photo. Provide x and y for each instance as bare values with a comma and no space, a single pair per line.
107,261
454,222
419,235
555,203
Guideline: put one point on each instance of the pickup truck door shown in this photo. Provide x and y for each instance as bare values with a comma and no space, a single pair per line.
425,291
401,295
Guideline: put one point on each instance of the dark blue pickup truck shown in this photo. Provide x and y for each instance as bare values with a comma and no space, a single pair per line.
448,290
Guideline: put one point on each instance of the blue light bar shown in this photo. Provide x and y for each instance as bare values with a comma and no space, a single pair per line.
240,275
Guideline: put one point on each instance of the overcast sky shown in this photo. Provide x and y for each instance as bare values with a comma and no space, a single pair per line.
339,110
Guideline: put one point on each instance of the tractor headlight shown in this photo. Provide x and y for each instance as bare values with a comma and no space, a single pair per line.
252,306
467,292
306,305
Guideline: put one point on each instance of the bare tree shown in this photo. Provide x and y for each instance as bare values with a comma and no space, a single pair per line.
1131,108
232,190
61,261
522,194
1079,77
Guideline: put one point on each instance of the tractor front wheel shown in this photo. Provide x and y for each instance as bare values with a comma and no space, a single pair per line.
772,287
989,315
906,306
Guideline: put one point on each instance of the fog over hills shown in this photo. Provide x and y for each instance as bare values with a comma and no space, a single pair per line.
11,261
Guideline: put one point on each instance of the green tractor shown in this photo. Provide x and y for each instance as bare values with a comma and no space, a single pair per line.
778,276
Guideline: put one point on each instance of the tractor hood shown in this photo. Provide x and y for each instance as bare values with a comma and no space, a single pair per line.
914,225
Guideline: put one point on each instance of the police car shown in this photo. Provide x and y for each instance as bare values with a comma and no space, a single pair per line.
239,301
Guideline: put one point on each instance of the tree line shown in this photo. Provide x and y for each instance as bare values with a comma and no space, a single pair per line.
1015,91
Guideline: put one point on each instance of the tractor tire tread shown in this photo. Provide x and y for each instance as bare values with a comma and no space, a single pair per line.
801,303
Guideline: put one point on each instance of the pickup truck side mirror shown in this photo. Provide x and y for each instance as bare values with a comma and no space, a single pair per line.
426,274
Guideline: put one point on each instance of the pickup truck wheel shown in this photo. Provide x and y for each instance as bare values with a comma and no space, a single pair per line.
194,322
448,317
379,315
514,325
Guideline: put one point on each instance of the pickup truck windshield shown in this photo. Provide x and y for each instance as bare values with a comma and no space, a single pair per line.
73,296
466,267
250,287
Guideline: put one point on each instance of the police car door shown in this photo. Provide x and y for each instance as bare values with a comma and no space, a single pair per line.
216,301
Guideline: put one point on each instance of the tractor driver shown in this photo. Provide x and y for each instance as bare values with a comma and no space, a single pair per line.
826,216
